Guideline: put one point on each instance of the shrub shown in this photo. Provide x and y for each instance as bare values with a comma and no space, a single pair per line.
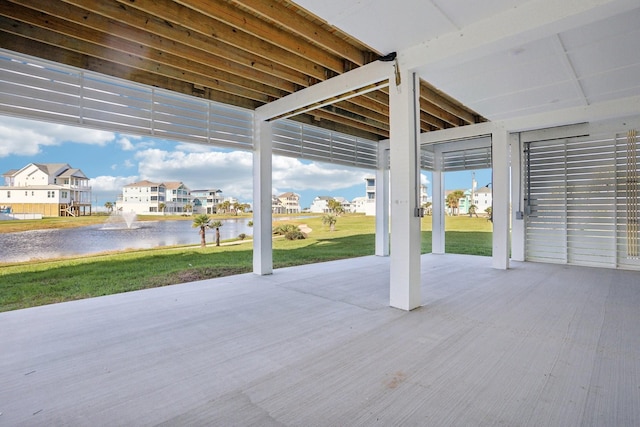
242,236
283,229
294,235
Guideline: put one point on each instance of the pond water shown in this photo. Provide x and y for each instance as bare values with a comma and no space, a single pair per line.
45,244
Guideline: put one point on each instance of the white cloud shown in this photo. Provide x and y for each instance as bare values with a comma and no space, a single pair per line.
25,137
109,187
424,180
232,172
125,144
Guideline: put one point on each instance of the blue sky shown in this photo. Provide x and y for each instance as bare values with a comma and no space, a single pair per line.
112,160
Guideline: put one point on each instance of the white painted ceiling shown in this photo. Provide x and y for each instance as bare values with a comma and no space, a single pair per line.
590,58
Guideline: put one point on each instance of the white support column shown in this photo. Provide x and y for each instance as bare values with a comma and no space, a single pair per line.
382,200
500,184
437,207
517,199
405,226
262,159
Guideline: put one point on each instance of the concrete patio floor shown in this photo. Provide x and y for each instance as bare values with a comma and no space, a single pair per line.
318,345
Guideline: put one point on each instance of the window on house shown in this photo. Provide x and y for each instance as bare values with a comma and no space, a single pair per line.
8,194
26,193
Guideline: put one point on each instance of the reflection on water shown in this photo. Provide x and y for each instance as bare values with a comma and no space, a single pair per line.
43,244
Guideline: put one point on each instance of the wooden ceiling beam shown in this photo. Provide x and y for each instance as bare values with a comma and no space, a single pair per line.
55,39
107,25
434,96
235,17
438,112
176,14
291,20
348,122
111,42
79,60
147,29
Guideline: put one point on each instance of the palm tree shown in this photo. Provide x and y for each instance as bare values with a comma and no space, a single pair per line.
330,220
216,225
162,207
109,207
335,206
489,212
453,200
202,221
427,207
224,206
188,208
473,210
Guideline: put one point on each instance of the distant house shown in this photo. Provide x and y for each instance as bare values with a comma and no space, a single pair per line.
366,204
320,204
276,205
205,201
290,201
49,189
154,198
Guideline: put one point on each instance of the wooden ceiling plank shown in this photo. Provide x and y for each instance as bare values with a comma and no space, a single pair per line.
79,60
174,13
110,26
108,41
148,27
107,25
235,17
332,116
438,112
41,34
436,97
433,121
289,19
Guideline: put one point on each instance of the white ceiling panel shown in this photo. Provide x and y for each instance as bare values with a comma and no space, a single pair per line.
622,83
567,66
619,51
593,33
530,101
464,12
527,75
384,25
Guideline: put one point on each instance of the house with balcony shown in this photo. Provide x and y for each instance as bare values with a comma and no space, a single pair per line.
290,201
154,198
177,198
48,189
206,201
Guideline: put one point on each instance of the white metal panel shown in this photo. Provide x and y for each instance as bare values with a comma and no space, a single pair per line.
577,194
39,89
295,139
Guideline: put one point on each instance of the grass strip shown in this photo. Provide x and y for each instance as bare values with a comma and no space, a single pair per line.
45,282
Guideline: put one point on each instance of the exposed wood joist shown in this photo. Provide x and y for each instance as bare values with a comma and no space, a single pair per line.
246,53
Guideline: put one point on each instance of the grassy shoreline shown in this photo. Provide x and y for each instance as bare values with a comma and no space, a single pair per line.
40,282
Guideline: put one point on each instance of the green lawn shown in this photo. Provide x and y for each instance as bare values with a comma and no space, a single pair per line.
37,283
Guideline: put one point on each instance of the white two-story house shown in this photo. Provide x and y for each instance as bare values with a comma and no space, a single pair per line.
49,189
154,198
205,201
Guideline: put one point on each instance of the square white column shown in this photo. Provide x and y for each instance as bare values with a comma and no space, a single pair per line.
382,200
500,185
517,199
405,225
437,209
262,215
